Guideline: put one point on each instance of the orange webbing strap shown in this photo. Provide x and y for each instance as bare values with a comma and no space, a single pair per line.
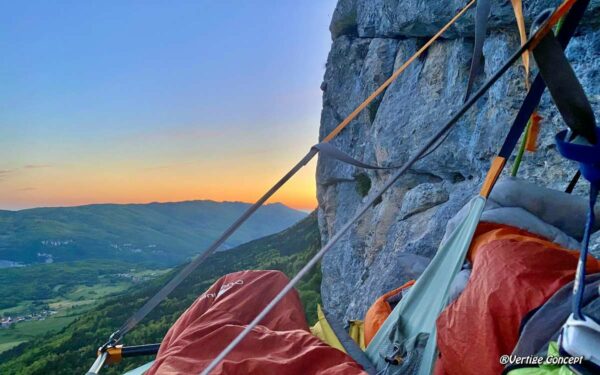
394,75
518,9
492,176
533,128
533,132
115,354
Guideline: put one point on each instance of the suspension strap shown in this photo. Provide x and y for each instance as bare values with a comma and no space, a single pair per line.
564,87
482,15
518,9
588,157
327,149
573,182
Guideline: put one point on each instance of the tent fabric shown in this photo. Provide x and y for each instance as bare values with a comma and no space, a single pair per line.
459,283
559,209
281,344
523,219
323,331
513,273
409,331
356,330
380,310
550,214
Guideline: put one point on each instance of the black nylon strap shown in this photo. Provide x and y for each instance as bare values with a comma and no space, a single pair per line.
350,346
538,86
481,23
573,182
564,87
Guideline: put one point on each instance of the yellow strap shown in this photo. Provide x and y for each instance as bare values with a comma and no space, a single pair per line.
395,75
518,9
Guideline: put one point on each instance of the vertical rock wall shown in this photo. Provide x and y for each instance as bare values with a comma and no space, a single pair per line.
398,236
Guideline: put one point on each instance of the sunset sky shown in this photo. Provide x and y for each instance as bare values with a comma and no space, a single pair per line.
158,101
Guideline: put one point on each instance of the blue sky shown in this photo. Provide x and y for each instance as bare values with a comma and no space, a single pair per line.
121,101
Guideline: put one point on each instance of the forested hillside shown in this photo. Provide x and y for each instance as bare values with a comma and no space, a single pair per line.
156,234
72,350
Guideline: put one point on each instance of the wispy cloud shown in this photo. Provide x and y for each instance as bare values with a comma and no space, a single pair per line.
27,189
168,166
176,133
36,166
5,173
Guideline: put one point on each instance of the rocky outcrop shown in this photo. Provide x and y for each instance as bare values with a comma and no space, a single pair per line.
395,239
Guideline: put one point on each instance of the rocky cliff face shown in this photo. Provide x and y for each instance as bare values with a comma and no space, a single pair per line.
398,236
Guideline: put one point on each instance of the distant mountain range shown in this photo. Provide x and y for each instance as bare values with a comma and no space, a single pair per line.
160,234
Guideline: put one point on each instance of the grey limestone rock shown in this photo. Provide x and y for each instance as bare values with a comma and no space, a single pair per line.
393,242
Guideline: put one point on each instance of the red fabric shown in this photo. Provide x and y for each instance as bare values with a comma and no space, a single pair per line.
513,273
281,344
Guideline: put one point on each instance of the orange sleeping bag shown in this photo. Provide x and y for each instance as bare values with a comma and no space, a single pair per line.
281,344
379,311
514,272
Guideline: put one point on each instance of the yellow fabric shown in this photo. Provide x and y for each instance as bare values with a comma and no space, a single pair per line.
357,333
323,330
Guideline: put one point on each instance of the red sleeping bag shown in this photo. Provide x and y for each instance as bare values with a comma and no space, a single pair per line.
514,272
281,344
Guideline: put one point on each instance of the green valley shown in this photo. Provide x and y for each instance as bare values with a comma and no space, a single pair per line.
44,298
72,348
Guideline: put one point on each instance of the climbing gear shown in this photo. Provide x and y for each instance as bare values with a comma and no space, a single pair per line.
115,354
117,336
478,202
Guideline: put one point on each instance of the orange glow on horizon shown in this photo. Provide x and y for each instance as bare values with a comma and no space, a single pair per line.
77,185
